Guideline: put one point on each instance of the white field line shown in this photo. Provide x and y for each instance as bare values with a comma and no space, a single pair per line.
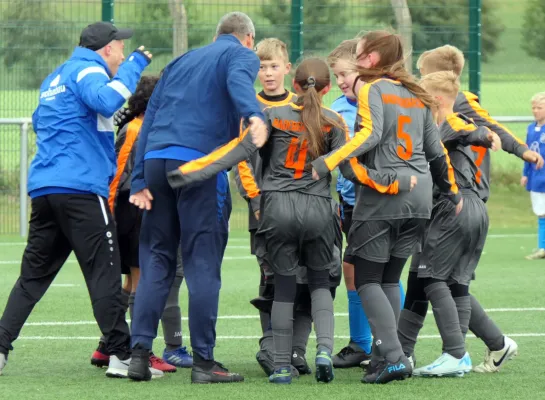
65,285
491,236
512,335
237,317
250,257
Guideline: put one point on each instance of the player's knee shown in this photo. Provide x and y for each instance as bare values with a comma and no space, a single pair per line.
367,272
348,274
393,270
285,288
458,290
317,279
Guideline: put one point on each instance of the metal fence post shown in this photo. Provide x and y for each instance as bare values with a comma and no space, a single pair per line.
296,30
475,47
108,10
23,176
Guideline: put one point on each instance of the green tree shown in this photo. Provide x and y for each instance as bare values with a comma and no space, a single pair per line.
35,48
323,25
533,35
439,23
155,27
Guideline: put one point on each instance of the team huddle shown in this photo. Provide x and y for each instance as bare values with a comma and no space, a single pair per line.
413,163
419,156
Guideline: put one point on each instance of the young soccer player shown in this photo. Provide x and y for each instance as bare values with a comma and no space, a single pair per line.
274,66
128,219
297,221
396,132
452,244
532,178
500,348
343,62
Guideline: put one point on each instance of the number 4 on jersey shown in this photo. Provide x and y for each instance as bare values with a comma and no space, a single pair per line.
296,157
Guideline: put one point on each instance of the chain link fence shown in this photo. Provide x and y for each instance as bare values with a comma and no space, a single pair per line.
38,35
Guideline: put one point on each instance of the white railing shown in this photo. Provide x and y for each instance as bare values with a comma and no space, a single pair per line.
24,124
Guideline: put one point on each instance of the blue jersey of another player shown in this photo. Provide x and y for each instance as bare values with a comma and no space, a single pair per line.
535,139
348,110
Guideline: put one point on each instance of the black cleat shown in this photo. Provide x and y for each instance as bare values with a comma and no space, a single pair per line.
300,363
385,371
265,361
139,368
351,356
216,374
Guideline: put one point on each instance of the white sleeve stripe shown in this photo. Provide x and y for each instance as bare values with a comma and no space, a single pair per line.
120,88
91,70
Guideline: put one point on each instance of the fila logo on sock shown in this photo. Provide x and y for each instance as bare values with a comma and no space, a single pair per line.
378,342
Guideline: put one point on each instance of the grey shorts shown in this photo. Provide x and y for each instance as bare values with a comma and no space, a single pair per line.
453,244
377,241
297,229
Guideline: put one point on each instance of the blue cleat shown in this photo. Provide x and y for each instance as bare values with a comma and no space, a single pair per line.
324,367
179,358
281,376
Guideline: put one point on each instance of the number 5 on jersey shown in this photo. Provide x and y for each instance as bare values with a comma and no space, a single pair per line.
404,151
297,157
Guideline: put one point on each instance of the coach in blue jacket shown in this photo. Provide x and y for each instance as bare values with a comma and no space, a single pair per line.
195,107
69,184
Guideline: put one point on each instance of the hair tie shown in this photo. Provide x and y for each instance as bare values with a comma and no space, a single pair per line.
311,82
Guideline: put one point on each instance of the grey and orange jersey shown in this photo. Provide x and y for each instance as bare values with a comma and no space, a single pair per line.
286,158
395,133
468,104
248,173
458,133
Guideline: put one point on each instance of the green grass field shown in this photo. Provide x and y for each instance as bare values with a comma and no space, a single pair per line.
51,358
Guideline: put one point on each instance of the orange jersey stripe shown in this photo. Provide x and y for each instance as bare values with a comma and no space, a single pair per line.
247,180
458,124
203,162
472,100
132,134
359,137
363,177
451,179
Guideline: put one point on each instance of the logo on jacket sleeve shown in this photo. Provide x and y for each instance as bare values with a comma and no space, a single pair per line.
54,89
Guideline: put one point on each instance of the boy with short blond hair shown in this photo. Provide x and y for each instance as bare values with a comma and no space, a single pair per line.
500,348
533,179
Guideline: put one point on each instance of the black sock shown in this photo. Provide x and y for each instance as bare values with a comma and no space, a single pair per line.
201,362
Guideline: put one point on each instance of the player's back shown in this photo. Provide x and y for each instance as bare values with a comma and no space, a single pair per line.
403,126
286,157
462,158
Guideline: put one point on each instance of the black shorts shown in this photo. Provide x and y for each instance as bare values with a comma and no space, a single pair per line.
346,224
297,229
378,240
453,244
128,219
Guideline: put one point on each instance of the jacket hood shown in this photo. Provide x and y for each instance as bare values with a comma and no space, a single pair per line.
83,54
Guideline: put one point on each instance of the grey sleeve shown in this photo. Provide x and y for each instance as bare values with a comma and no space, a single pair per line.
472,135
387,183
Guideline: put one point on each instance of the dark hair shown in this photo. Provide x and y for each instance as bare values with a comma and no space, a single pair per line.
138,102
391,63
313,76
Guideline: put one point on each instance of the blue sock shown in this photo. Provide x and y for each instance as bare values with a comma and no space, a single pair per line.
402,293
541,233
360,331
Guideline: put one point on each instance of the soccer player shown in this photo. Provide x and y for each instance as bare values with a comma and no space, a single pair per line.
532,178
395,132
342,61
500,348
297,221
128,219
452,244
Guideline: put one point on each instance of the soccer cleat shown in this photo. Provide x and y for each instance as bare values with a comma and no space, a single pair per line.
324,367
217,374
300,363
179,357
3,361
538,255
160,364
100,357
351,356
446,365
139,366
281,376
120,369
494,360
265,361
385,371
